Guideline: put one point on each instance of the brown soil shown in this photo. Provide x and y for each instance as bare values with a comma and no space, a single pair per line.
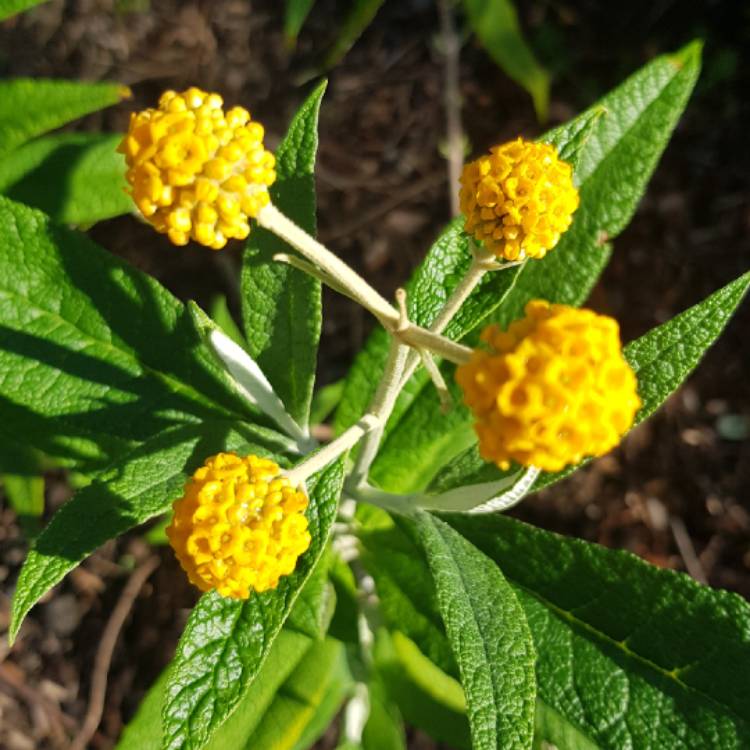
675,493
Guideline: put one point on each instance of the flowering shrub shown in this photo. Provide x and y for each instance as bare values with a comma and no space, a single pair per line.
376,572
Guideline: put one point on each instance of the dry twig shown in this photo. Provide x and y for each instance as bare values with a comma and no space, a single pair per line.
106,649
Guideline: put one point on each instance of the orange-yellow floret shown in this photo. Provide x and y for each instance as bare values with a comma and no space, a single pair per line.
196,171
239,526
518,199
552,389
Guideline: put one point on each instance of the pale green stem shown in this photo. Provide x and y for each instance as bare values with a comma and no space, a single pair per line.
357,288
382,403
317,461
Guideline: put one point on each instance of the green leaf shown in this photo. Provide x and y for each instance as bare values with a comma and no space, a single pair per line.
613,167
143,731
132,491
325,401
661,359
426,697
295,13
489,636
357,20
25,495
77,178
30,107
296,637
390,560
226,641
384,729
629,654
281,307
495,22
221,315
296,702
10,8
95,357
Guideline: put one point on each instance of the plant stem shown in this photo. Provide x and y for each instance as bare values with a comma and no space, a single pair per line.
332,451
382,403
357,288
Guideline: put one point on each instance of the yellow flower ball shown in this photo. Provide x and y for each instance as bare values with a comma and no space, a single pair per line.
239,527
551,390
196,171
518,199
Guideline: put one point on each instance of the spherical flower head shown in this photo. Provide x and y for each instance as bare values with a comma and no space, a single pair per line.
196,171
518,199
239,526
551,390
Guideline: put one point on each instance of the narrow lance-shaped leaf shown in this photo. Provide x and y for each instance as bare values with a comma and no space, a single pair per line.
281,307
137,488
629,654
661,359
95,356
489,636
226,641
298,635
613,168
295,13
9,8
496,24
77,178
30,107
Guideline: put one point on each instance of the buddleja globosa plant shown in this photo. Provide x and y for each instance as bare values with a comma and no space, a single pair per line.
376,572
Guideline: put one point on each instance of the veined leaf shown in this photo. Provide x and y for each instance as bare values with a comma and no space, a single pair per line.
631,655
226,641
132,491
30,107
281,307
296,637
77,178
10,8
495,22
661,359
489,636
95,357
613,168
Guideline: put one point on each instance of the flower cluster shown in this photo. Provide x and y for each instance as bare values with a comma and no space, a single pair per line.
196,171
239,527
518,199
551,390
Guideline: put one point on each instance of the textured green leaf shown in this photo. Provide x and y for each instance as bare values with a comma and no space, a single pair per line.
357,20
296,637
226,641
132,491
281,307
495,22
630,654
95,357
489,636
9,8
77,178
295,13
613,168
296,702
30,107
661,359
